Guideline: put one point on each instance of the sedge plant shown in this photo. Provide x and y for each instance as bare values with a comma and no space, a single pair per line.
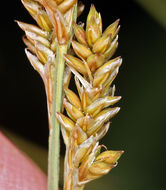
58,48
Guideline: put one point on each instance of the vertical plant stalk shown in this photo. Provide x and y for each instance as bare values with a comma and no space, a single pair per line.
46,45
54,136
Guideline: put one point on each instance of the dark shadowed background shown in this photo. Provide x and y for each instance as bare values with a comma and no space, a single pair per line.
139,128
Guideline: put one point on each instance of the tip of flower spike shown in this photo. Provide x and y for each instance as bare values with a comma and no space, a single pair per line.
92,6
16,21
92,12
118,98
122,152
28,53
113,29
20,24
120,60
117,109
117,21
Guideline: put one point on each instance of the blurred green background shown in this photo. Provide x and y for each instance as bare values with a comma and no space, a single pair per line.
139,128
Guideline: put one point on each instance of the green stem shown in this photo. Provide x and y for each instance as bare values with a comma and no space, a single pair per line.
56,104
54,144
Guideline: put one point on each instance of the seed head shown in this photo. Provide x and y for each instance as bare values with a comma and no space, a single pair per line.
92,109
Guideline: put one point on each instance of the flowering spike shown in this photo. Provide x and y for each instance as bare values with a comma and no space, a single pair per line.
88,59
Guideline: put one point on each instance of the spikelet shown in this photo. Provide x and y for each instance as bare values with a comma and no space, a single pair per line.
54,24
89,112
54,20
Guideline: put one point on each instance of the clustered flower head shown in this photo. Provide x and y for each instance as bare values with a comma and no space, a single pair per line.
54,19
89,112
90,60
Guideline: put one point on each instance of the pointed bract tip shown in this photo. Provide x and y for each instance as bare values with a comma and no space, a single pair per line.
27,51
120,59
57,114
122,152
117,109
16,21
80,8
119,97
19,23
118,20
92,6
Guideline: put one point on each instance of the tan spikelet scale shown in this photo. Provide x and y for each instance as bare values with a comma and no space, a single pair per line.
80,8
80,34
76,63
29,45
81,50
94,70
